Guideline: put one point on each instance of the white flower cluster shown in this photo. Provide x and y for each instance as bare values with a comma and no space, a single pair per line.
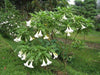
37,35
68,31
23,57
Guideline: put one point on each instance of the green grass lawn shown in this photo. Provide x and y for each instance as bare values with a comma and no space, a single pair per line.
93,36
84,62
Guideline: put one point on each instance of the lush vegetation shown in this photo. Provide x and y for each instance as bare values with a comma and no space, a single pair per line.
51,41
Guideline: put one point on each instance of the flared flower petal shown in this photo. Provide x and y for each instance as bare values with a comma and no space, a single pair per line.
36,35
44,64
26,64
46,37
40,34
67,30
70,30
30,65
83,27
48,61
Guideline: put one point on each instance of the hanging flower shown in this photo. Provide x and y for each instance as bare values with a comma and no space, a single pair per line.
30,65
48,61
64,17
46,37
67,30
31,38
44,64
40,34
17,39
23,56
28,23
20,54
70,30
26,64
55,55
36,35
83,27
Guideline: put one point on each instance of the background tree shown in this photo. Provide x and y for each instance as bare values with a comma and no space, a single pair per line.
86,8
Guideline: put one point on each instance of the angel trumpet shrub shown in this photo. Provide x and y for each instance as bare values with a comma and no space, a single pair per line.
31,38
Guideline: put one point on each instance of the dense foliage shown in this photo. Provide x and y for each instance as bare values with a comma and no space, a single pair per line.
36,37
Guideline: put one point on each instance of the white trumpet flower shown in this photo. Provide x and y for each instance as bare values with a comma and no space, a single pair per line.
36,35
44,64
31,38
26,64
30,65
40,34
83,27
28,23
67,30
23,57
46,37
48,61
17,39
64,17
55,55
20,54
70,30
